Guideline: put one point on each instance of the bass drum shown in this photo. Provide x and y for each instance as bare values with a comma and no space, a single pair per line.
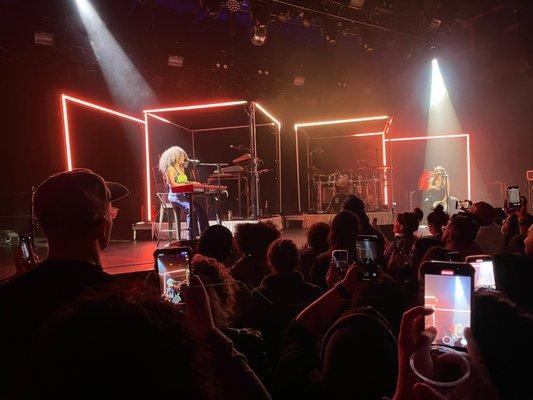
335,204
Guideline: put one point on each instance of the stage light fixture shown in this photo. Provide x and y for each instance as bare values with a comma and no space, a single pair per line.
233,5
212,7
357,3
175,61
43,38
299,80
259,34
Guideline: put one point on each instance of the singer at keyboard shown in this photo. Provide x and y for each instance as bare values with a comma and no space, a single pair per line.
173,164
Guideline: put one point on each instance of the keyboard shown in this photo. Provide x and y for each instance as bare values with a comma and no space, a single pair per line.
198,188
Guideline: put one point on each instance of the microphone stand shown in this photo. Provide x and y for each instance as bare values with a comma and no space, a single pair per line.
218,167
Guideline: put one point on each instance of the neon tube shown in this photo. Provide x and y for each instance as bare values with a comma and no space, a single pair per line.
340,121
147,159
160,118
66,132
264,111
103,109
404,139
468,164
196,107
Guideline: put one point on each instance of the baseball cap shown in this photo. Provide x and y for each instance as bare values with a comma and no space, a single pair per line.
74,199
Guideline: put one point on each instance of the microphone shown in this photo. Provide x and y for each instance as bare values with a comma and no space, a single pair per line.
239,147
193,161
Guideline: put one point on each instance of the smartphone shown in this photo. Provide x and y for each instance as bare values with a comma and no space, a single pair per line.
366,253
25,247
484,267
513,197
463,205
172,266
448,289
340,260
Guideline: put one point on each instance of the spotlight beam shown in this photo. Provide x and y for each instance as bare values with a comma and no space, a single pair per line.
124,81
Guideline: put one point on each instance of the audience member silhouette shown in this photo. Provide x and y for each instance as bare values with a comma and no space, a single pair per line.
253,241
75,211
343,232
460,234
357,357
281,295
317,243
489,236
221,288
216,242
355,205
437,219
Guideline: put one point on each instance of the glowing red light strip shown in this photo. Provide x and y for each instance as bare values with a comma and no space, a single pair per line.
367,134
340,121
66,132
104,109
452,310
196,107
260,107
160,118
147,159
403,139
468,165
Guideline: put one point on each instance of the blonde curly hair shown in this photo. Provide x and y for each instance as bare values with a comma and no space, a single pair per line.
169,157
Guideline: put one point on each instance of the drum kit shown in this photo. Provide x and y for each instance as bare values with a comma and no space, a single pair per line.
332,189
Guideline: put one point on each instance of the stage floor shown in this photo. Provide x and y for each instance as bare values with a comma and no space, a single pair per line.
125,256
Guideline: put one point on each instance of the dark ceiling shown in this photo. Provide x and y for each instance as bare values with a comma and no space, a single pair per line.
330,43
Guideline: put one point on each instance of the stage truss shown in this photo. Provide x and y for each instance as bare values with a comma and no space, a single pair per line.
250,108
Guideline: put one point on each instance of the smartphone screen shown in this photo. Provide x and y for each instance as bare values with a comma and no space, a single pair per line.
25,247
340,259
484,277
366,249
513,196
449,294
173,271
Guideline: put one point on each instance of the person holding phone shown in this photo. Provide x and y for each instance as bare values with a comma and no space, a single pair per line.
173,164
357,356
355,205
342,235
76,210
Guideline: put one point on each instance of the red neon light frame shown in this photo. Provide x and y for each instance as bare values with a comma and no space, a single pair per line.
66,128
153,113
383,133
468,155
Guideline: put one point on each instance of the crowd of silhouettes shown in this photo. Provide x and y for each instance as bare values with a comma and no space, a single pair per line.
261,318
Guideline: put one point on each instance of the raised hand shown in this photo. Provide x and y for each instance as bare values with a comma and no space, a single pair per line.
198,308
